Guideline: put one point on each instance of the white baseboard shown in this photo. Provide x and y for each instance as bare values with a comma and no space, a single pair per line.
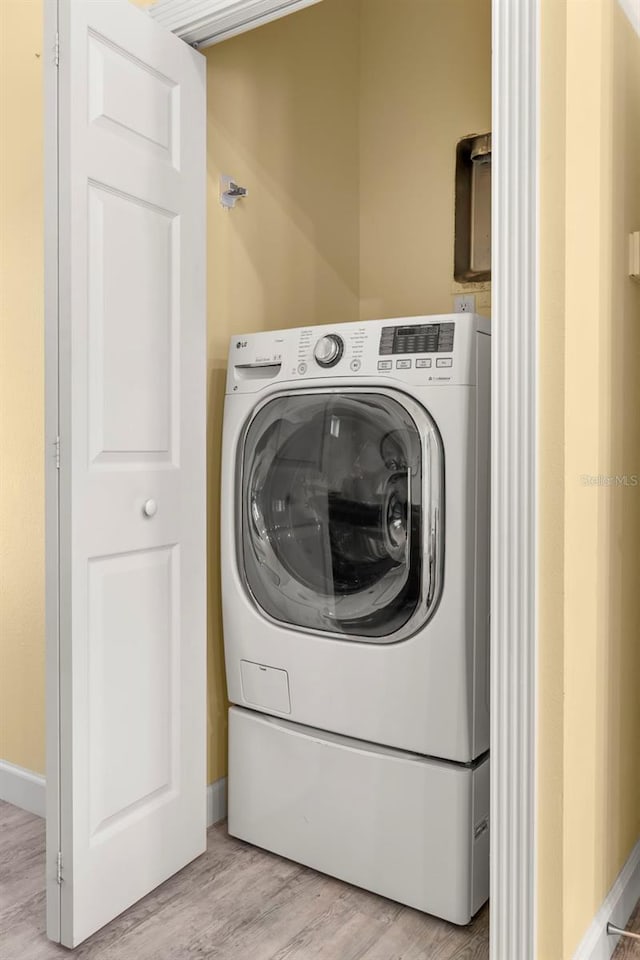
27,790
216,801
617,908
22,788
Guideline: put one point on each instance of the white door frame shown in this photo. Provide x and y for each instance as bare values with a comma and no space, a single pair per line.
514,452
204,22
514,461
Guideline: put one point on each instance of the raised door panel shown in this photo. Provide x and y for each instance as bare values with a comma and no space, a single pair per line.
134,333
134,672
131,99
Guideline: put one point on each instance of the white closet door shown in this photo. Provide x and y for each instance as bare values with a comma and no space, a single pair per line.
132,522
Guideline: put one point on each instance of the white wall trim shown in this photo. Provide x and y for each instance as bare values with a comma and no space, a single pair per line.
632,10
205,22
617,908
514,487
22,788
216,801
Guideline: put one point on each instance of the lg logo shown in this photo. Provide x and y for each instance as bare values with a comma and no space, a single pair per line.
240,344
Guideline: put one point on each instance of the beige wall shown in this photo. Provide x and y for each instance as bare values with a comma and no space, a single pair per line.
21,387
552,493
590,394
424,84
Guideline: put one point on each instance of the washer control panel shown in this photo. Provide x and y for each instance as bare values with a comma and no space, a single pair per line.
417,338
430,350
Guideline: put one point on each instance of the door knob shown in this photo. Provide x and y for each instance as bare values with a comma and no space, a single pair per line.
150,508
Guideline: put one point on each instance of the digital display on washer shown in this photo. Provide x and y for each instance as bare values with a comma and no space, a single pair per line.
418,338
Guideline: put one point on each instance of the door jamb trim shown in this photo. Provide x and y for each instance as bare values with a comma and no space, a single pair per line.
52,473
514,520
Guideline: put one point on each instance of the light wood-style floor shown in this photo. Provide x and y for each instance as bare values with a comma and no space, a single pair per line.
234,903
630,949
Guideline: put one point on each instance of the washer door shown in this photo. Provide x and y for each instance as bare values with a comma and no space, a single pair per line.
341,508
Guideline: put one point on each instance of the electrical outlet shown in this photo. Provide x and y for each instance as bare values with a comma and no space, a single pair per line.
464,303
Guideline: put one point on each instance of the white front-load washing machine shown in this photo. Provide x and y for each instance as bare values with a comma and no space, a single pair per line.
355,578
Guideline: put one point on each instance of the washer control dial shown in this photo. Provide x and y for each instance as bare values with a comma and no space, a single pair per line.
328,350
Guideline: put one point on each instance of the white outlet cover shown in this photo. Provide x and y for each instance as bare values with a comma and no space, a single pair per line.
464,303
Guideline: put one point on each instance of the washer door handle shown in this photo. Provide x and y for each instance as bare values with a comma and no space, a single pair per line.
433,556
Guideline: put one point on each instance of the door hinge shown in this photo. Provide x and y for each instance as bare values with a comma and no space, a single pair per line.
57,446
56,50
59,867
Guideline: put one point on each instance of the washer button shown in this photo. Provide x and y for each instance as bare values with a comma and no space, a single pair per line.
385,364
355,365
403,364
302,368
423,363
446,362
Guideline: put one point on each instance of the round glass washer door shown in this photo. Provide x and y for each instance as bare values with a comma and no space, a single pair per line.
341,513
